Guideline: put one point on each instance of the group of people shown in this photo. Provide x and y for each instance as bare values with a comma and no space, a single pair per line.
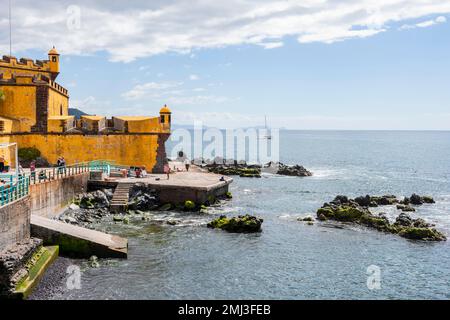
140,172
61,164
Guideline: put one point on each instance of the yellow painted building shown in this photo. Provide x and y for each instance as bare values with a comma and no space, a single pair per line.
34,112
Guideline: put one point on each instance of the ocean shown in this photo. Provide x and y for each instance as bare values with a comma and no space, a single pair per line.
290,259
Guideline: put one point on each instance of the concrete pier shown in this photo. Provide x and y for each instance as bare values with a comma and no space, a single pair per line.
195,185
76,241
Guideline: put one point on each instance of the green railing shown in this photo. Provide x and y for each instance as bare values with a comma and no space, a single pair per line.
14,191
15,187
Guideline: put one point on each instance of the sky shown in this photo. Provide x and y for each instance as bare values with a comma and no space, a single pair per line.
322,64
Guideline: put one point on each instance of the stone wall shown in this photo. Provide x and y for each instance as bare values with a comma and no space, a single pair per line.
49,198
15,222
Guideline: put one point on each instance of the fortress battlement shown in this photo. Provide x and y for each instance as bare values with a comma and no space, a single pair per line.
25,63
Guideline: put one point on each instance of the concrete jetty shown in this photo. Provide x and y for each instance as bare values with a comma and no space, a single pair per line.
195,185
76,241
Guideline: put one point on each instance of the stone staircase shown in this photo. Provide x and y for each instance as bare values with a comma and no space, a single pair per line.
121,196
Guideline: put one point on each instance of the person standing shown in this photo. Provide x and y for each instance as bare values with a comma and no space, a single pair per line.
167,170
187,164
2,164
58,164
63,164
33,170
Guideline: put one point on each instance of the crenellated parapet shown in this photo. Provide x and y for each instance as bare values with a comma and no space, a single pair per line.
25,64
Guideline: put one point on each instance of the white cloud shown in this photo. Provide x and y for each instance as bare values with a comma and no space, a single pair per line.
91,105
424,24
145,28
194,77
151,90
196,100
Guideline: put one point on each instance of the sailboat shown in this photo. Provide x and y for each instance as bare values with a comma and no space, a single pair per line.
268,136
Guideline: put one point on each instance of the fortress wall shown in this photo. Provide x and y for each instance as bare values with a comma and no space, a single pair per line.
125,149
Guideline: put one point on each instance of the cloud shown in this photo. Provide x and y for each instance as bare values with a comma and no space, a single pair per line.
196,99
425,24
172,93
194,77
91,105
145,28
151,90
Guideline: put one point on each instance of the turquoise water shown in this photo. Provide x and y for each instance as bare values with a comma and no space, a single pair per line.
289,259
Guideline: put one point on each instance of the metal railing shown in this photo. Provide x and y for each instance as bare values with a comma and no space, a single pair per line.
14,191
15,187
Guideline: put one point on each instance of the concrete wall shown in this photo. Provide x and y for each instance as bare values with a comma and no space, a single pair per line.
178,195
49,198
15,222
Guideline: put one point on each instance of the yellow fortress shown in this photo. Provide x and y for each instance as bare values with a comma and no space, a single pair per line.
34,112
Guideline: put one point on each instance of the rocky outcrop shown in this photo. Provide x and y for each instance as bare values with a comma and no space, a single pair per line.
417,200
285,170
88,208
240,224
348,210
143,198
242,170
93,200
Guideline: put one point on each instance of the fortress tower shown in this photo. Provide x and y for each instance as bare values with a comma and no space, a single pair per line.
34,112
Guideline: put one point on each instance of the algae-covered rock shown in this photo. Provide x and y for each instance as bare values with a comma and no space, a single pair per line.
426,234
344,213
405,208
93,262
118,218
189,205
351,211
240,224
165,207
228,195
306,219
428,199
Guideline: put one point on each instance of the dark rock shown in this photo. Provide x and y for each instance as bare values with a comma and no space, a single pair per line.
240,224
352,212
306,219
363,201
405,208
403,220
295,170
426,234
428,199
416,199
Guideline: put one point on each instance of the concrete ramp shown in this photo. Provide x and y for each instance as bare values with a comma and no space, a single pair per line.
76,241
